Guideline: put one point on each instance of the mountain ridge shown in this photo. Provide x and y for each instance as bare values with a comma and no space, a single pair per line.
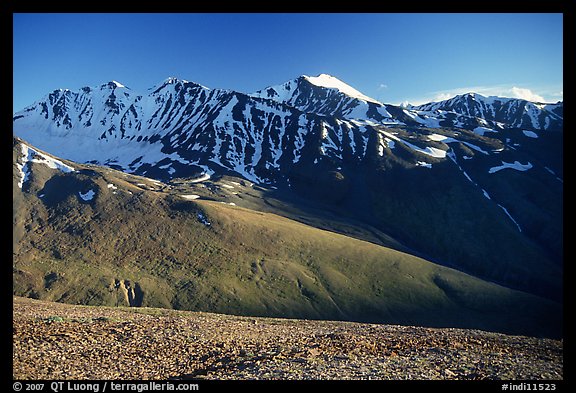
530,115
182,116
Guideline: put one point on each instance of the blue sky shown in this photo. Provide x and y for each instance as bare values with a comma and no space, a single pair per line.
393,58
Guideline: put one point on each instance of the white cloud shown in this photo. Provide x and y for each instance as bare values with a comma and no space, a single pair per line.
525,94
558,96
382,86
445,96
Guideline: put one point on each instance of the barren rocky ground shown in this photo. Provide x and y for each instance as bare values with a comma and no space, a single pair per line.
60,341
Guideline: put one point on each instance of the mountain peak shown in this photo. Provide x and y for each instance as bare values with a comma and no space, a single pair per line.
471,94
172,79
112,85
331,82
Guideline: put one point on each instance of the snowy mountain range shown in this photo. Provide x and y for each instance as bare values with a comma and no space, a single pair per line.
503,112
180,128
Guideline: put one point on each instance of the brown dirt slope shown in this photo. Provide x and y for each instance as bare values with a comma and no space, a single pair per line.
60,341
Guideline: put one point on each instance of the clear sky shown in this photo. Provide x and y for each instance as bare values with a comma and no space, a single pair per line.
393,58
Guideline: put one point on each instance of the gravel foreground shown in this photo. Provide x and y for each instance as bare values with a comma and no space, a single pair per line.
60,341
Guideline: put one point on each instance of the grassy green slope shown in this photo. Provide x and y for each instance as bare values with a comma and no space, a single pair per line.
245,262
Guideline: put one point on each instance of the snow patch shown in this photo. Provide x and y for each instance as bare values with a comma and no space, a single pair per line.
510,216
299,141
452,156
437,137
381,144
515,165
189,196
422,118
202,218
431,151
554,174
482,130
472,146
201,178
31,155
530,134
88,196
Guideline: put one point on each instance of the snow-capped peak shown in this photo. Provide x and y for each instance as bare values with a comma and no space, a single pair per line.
330,82
171,80
118,84
112,85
